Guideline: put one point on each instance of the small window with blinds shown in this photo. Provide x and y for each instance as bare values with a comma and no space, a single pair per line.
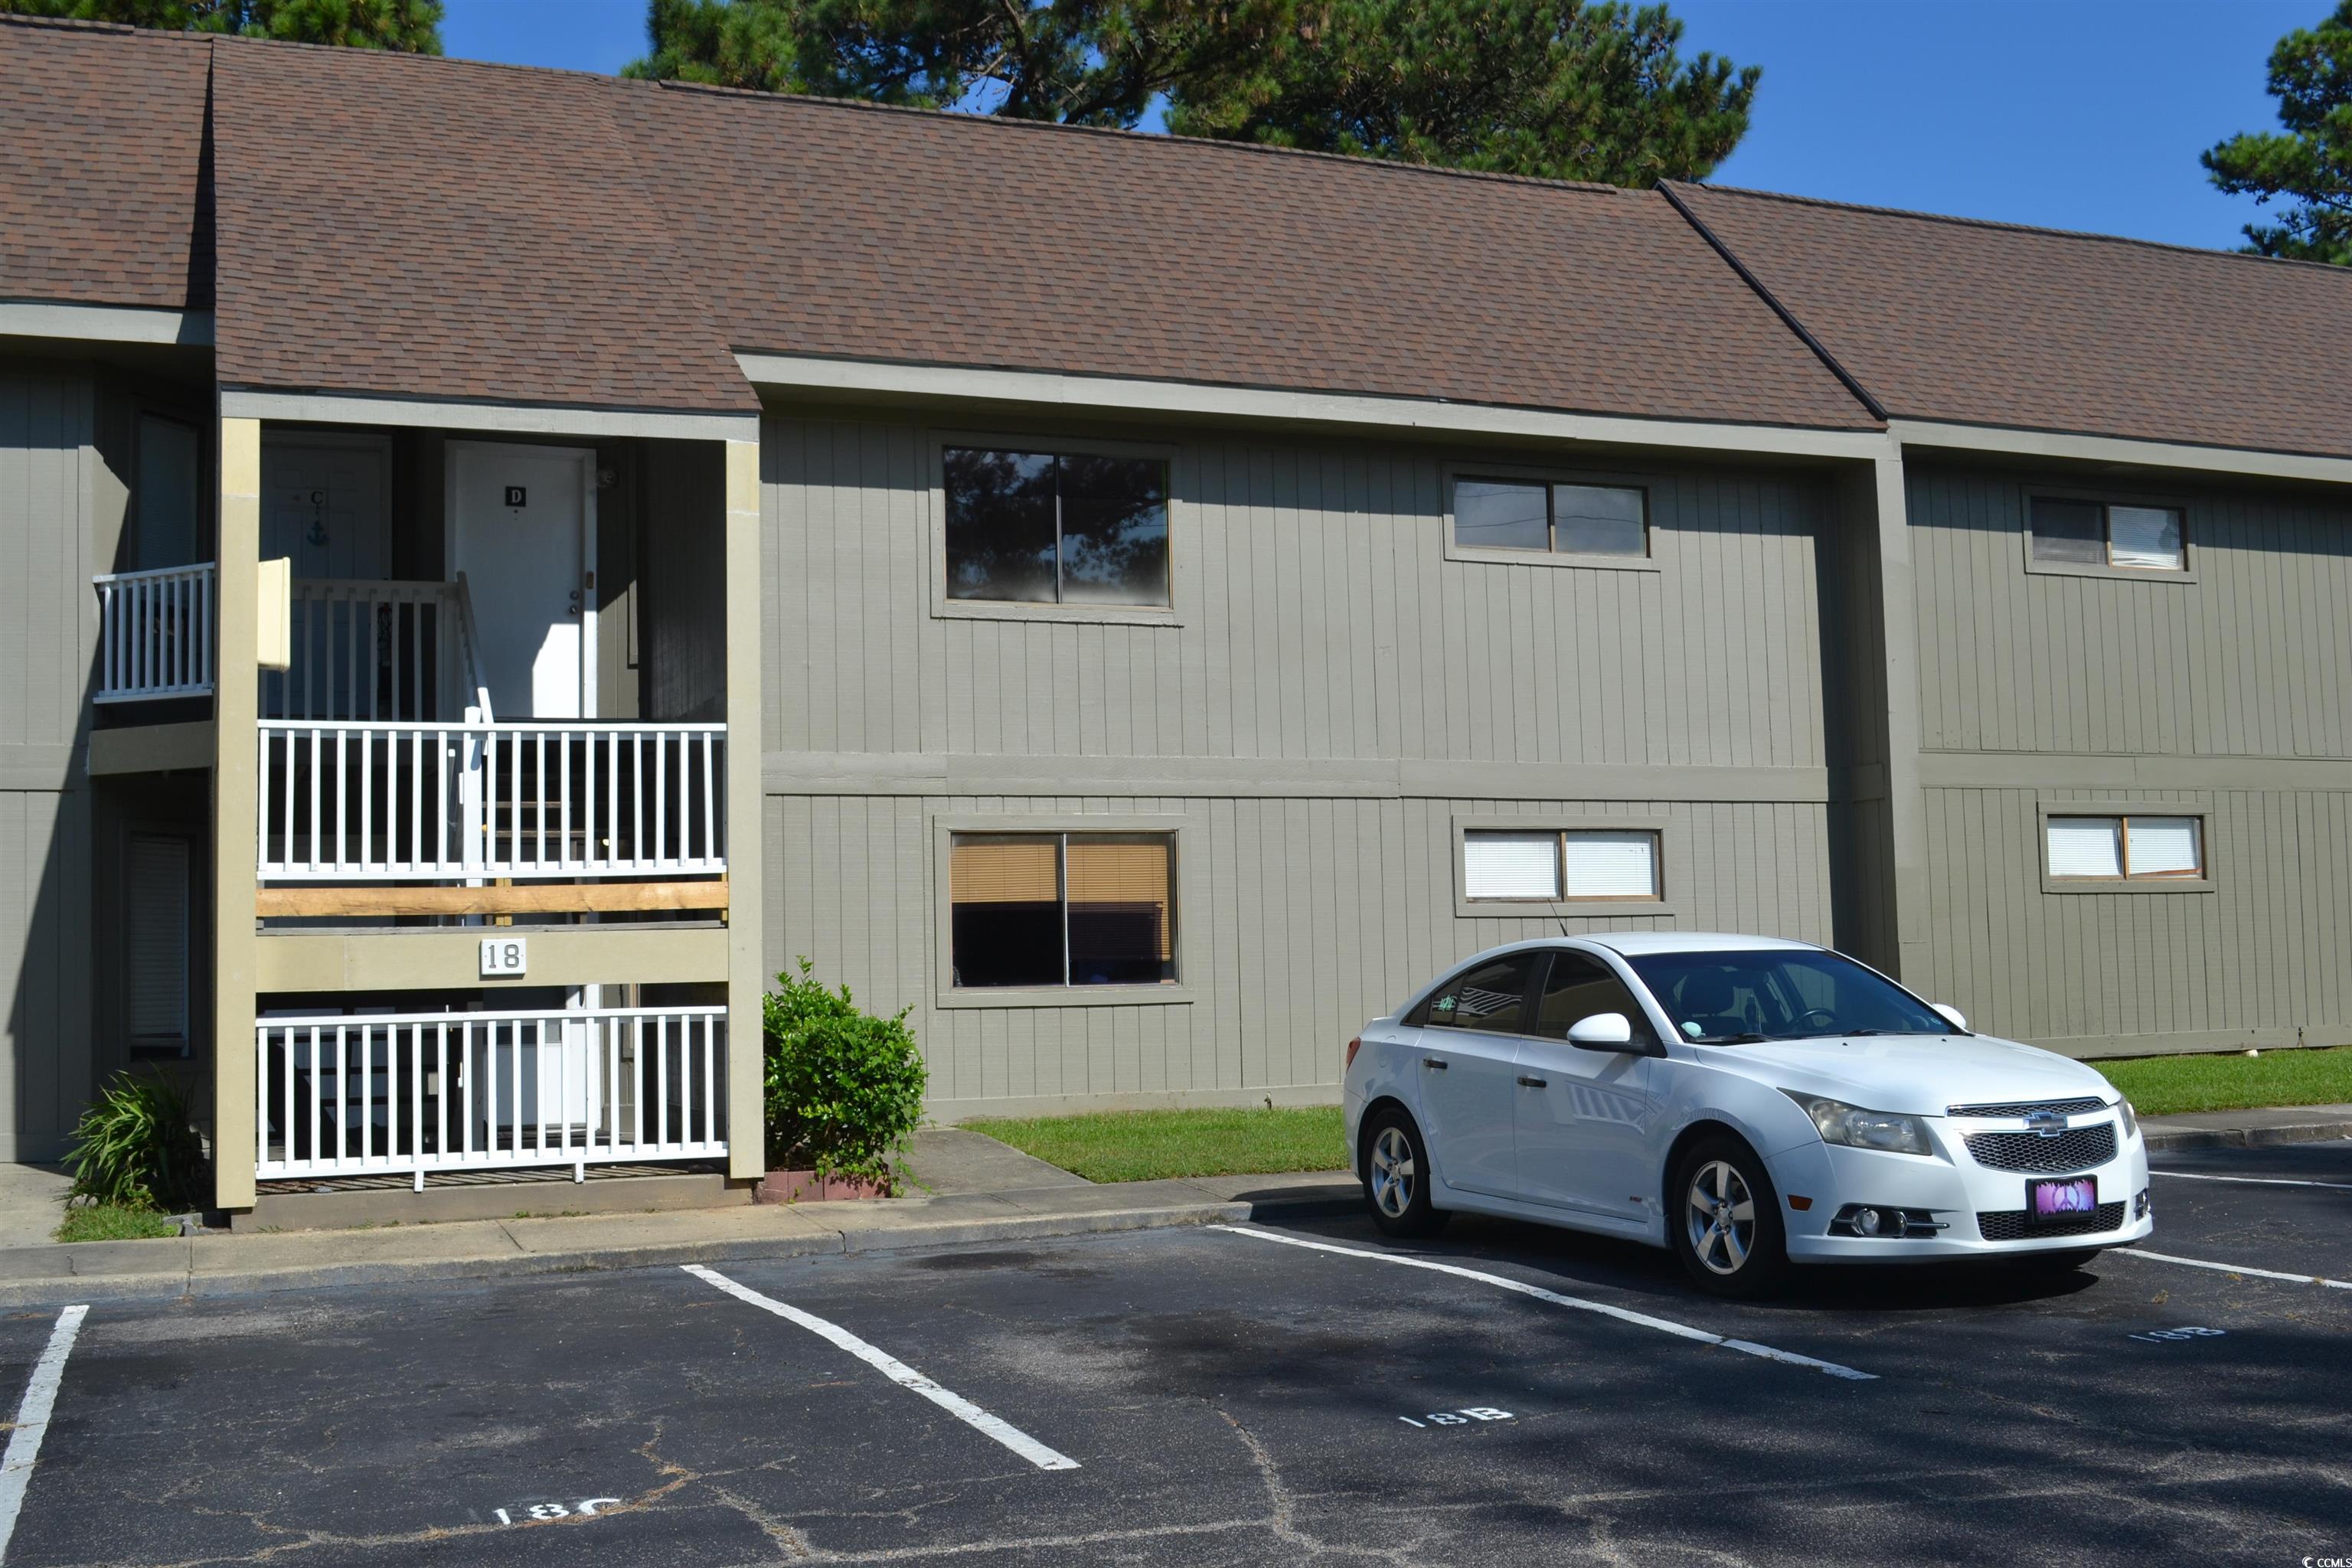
1029,910
2124,848
1565,866
156,941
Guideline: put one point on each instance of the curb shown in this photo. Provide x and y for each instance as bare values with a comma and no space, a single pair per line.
180,1281
2163,1140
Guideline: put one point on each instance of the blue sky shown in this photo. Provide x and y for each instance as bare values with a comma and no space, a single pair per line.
2075,113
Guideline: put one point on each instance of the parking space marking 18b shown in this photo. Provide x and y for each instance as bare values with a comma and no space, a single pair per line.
1462,1417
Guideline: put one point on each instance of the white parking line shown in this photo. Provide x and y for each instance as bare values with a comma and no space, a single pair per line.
1640,1320
897,1371
2233,1268
33,1421
2257,1181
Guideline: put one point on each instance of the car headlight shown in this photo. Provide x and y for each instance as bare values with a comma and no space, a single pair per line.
2131,1120
1838,1122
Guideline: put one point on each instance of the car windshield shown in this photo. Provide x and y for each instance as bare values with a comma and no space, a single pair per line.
1779,994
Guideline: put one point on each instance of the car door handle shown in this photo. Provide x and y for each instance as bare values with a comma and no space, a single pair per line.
1531,1083
1436,1064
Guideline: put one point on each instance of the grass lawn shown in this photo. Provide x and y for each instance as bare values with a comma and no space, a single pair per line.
1150,1146
2162,1086
111,1222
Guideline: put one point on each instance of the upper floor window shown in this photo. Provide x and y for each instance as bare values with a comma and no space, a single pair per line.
2126,849
1056,528
2096,533
1562,866
1558,518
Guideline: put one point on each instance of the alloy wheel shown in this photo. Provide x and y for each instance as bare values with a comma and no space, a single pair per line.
1720,1217
1393,1171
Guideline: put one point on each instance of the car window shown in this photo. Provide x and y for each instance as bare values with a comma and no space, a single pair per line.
1780,994
1578,986
1492,997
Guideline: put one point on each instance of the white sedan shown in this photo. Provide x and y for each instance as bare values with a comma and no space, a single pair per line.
1748,1101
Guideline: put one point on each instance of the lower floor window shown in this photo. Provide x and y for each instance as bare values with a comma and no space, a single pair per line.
1062,909
156,949
2124,848
1547,866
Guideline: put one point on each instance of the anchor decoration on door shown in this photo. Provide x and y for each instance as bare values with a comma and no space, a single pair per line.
317,532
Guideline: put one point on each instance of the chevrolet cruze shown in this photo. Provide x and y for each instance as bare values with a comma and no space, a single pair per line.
1748,1101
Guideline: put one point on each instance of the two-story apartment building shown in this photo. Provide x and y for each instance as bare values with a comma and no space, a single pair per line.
1142,603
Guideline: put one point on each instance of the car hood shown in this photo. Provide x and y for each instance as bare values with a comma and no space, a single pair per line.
1921,1074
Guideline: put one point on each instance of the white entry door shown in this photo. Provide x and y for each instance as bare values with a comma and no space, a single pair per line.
522,528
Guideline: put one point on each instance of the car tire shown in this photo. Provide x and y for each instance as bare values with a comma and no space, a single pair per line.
1743,1254
1396,1177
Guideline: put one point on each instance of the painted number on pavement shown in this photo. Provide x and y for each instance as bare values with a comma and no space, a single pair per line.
1462,1417
542,1511
2174,1336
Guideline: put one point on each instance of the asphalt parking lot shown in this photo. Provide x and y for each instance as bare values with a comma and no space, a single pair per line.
1210,1396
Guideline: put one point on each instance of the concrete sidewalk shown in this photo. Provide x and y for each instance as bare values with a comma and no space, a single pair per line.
2246,1128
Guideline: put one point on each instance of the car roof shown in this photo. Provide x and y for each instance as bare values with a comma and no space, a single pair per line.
1634,943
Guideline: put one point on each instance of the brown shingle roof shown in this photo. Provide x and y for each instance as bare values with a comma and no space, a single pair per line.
1985,323
104,132
840,229
436,229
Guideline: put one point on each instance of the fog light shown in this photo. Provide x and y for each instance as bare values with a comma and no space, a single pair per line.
1868,1221
2140,1205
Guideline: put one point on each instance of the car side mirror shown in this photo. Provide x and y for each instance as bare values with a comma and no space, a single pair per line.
1602,1032
1952,1016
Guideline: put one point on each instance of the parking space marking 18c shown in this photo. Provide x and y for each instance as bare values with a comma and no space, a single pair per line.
1462,1417
586,1508
2174,1336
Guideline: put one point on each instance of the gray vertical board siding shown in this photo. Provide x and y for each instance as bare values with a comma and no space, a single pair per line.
1302,919
62,504
2264,951
1849,604
2246,660
1317,616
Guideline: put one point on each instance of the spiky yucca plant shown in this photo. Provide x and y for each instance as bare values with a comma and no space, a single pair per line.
136,1146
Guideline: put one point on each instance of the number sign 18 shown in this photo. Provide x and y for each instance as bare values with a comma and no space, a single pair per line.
504,955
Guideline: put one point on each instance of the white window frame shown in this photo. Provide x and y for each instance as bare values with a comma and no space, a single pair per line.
1185,834
2203,881
1553,910
1179,533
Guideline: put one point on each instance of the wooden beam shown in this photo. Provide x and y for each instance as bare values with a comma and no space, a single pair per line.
529,899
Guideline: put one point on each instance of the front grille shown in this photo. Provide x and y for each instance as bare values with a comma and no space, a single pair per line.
2009,1225
2078,1150
2062,1107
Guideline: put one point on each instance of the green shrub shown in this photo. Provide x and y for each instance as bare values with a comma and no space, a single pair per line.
843,1088
136,1147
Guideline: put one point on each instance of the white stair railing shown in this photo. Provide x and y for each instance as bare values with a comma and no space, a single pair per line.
346,801
154,632
371,648
341,1095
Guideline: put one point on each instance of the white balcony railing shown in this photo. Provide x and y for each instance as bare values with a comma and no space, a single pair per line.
363,649
155,634
456,1091
346,802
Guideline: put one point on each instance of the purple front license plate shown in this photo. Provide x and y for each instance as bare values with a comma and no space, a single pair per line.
2056,1202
